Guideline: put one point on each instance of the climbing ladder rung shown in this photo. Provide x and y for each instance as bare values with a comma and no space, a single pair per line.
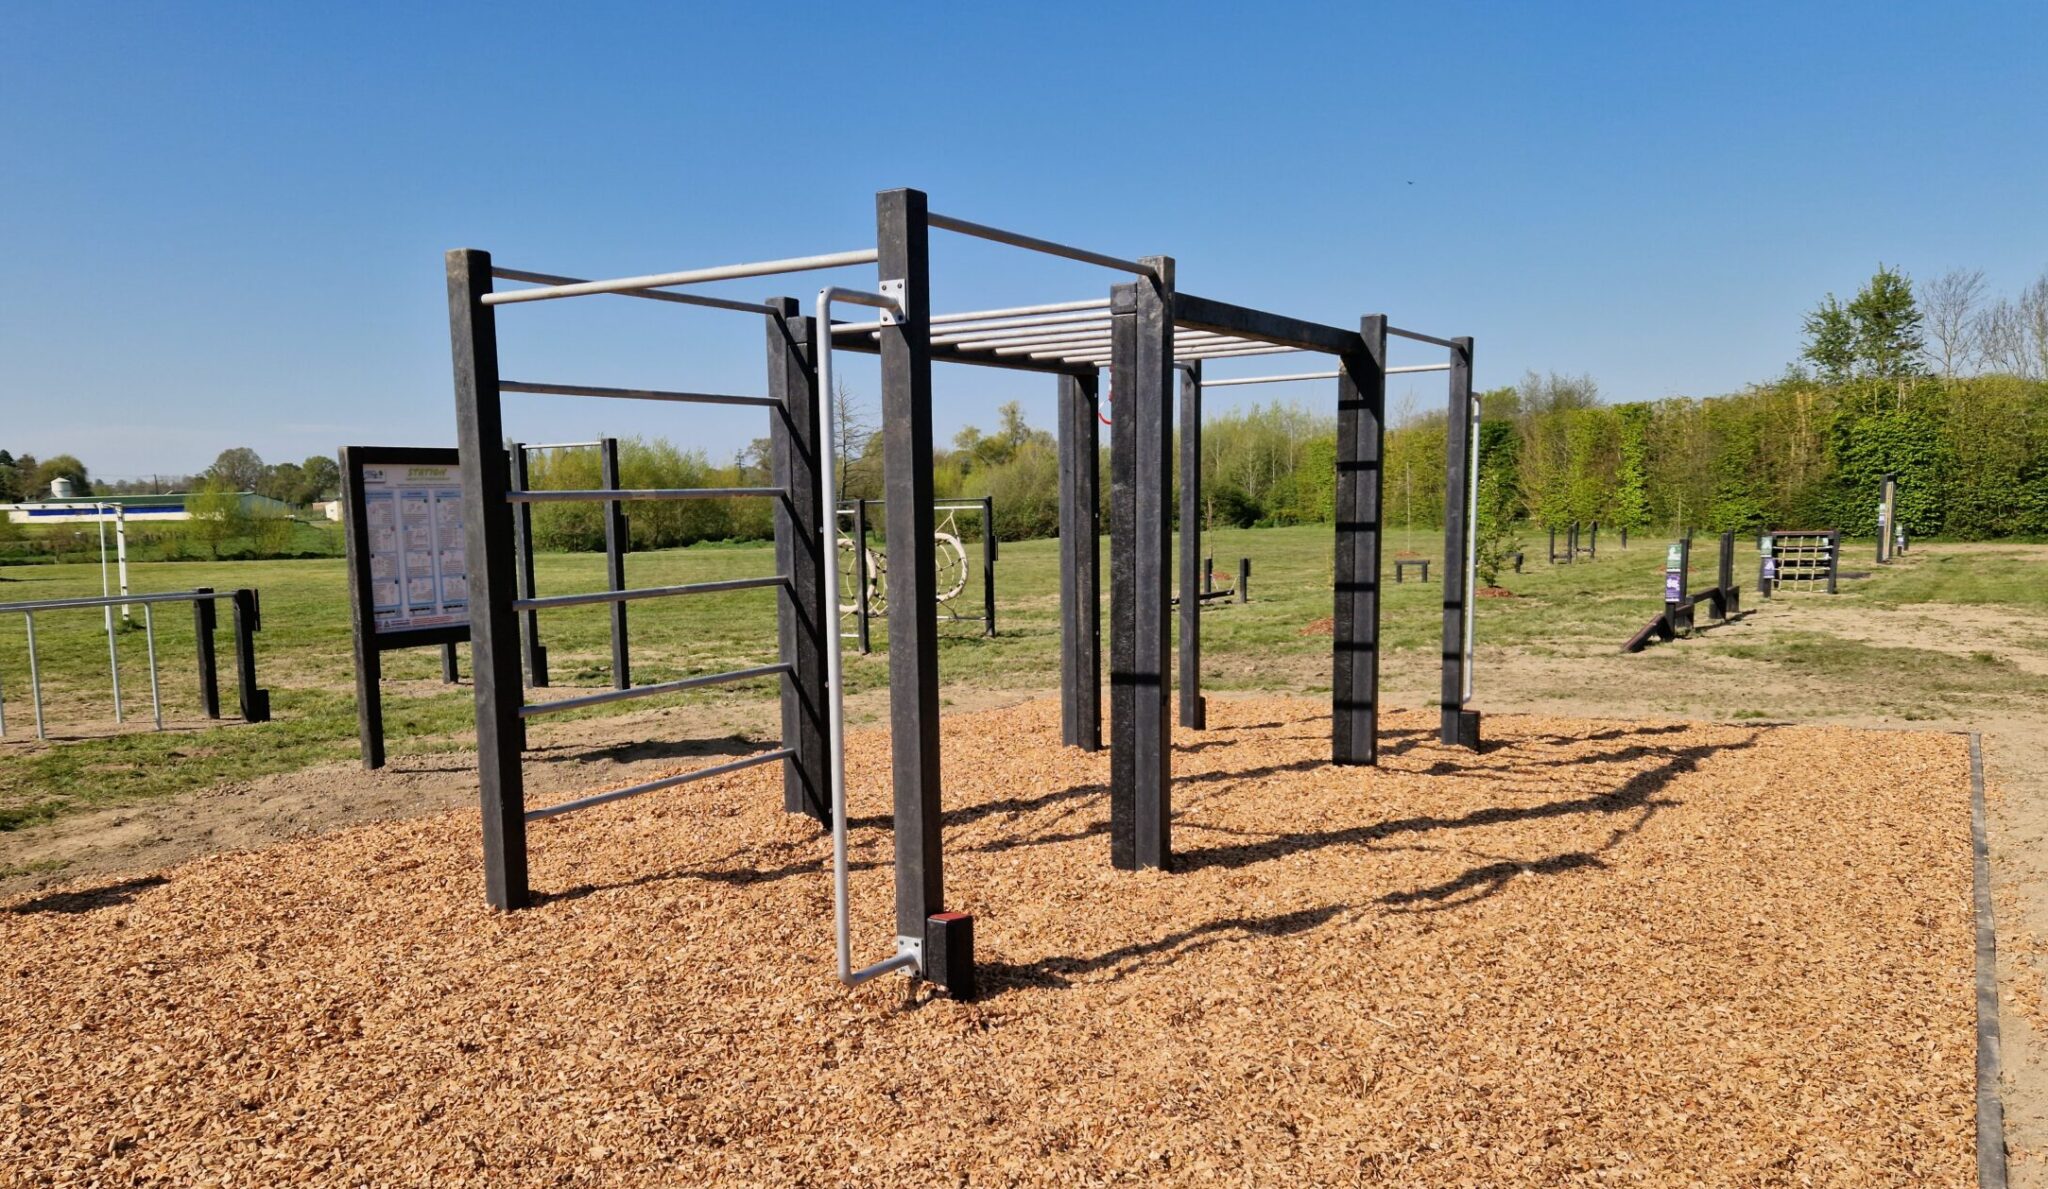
666,782
648,691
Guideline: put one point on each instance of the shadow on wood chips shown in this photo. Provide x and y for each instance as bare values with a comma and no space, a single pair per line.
1631,953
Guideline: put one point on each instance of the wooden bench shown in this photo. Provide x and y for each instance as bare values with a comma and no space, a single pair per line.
1401,567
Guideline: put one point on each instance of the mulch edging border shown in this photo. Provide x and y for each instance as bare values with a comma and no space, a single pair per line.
1990,1110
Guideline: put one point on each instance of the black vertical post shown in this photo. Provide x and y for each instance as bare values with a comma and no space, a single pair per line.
1729,601
487,522
902,237
369,658
1193,573
522,520
617,540
861,614
1244,579
204,617
1834,556
1355,625
255,701
802,619
1624,536
1593,543
1460,726
1553,544
451,671
1080,563
988,565
1141,494
1571,543
1887,513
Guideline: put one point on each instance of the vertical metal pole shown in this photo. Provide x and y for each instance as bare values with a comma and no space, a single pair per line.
1193,573
988,565
1355,623
248,620
156,698
1080,506
802,540
522,521
107,612
617,540
121,555
493,625
204,619
860,575
1459,725
902,240
1141,490
35,675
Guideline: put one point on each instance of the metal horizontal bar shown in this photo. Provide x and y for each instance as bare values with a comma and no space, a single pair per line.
904,961
846,506
723,272
666,782
639,493
1201,313
1418,367
178,596
990,316
530,447
648,691
1065,336
1034,244
1421,338
700,398
646,592
688,299
1024,328
1237,380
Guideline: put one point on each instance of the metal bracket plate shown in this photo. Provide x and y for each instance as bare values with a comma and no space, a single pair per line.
893,290
914,946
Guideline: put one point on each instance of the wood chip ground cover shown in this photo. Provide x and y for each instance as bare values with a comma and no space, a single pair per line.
1598,953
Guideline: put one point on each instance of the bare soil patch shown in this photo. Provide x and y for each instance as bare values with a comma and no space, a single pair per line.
1599,951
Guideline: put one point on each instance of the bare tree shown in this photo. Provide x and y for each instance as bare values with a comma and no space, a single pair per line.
1950,303
853,432
2033,317
2001,334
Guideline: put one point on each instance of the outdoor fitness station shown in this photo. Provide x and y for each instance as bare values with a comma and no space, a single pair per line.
1723,599
864,573
1147,332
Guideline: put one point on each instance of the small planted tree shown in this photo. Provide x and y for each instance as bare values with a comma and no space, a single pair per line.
1495,535
215,515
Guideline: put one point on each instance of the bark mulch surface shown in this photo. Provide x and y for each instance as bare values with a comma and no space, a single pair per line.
1599,952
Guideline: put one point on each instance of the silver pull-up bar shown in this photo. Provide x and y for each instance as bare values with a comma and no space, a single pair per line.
688,299
1012,316
723,272
908,954
1034,244
1419,337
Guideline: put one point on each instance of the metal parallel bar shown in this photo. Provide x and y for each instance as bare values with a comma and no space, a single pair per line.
3,709
1098,343
666,782
990,316
602,496
1219,351
156,697
1093,334
701,398
846,506
1011,328
180,596
1237,380
724,272
537,447
647,691
1034,244
525,586
645,592
1141,460
1419,337
690,299
35,674
488,525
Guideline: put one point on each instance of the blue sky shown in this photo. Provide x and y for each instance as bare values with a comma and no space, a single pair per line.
223,225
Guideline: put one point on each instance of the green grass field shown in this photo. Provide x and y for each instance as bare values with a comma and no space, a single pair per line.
305,657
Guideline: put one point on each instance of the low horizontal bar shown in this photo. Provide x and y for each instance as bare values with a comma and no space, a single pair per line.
1421,338
990,316
723,272
699,398
640,493
179,596
846,506
531,447
1237,380
867,973
646,592
1034,244
648,691
666,782
688,299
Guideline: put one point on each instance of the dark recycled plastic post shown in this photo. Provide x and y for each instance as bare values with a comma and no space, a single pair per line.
451,672
1355,618
204,618
1766,566
1194,568
805,626
1834,556
248,613
988,565
362,617
1244,579
493,623
903,263
1141,566
616,541
1460,727
522,522
1593,543
1080,506
1886,511
1730,600
860,576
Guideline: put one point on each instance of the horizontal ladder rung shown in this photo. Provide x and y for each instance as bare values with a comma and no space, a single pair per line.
648,691
701,398
645,592
641,493
666,782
